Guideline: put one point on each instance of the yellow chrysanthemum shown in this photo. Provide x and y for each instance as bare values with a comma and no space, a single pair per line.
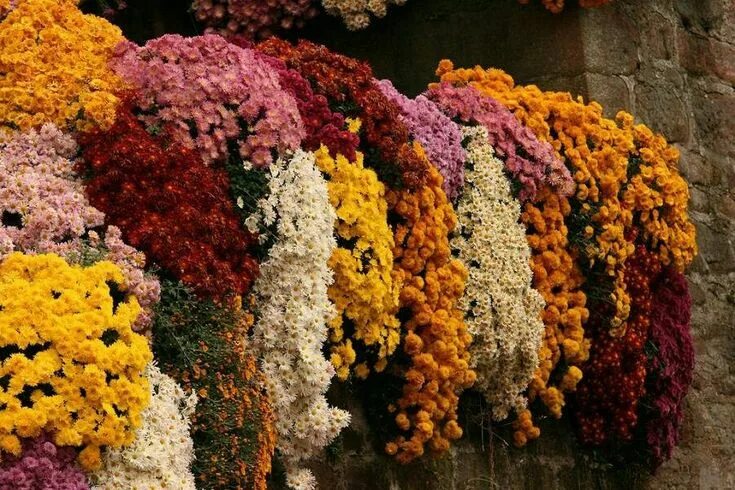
364,290
71,364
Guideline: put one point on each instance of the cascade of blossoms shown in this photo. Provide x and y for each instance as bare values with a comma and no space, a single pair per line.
530,162
436,337
606,404
169,204
349,86
202,345
42,464
44,210
293,310
672,365
54,64
162,453
624,174
438,134
364,291
211,96
79,356
502,311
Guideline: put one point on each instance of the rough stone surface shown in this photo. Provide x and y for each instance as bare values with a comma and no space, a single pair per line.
670,62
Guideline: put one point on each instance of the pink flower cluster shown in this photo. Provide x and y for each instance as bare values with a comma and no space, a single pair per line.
438,134
253,18
322,126
43,209
212,96
532,163
672,365
42,465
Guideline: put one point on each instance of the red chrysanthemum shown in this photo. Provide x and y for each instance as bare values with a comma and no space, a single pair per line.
169,205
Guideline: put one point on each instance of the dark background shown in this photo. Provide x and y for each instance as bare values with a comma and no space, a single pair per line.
525,40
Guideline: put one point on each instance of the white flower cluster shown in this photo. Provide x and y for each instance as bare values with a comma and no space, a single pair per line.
163,451
502,310
293,311
356,13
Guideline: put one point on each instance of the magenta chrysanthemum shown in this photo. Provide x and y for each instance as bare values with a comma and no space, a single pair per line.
532,163
212,96
42,465
438,134
672,365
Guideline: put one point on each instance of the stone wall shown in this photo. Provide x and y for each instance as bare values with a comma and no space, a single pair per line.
669,62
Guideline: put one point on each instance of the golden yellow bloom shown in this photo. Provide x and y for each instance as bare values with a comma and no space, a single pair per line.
73,363
54,59
353,125
436,336
364,290
626,176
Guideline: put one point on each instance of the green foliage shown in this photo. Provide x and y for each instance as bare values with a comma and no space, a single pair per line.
200,344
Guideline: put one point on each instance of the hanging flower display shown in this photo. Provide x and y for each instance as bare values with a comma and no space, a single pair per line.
55,64
79,358
294,309
502,311
364,291
211,96
297,223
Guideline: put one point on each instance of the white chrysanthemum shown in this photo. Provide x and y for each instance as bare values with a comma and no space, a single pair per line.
293,311
502,310
356,13
161,456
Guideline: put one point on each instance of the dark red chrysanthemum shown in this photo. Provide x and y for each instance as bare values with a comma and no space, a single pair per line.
169,205
349,87
606,404
672,365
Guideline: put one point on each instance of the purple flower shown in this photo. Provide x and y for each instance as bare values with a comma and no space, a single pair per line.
532,163
42,465
438,134
672,365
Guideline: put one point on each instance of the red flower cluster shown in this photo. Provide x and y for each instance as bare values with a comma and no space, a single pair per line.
323,127
349,86
615,375
672,365
169,205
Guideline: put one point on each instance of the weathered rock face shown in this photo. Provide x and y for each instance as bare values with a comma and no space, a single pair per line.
669,62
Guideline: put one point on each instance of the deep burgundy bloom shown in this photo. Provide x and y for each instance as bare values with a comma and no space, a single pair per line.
672,365
170,205
42,465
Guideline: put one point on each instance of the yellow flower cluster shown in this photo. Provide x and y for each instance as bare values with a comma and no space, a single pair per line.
659,196
364,292
72,365
559,280
54,60
602,155
436,337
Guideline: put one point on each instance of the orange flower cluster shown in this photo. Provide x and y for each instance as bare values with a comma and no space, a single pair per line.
623,173
556,6
436,337
559,280
202,345
658,196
